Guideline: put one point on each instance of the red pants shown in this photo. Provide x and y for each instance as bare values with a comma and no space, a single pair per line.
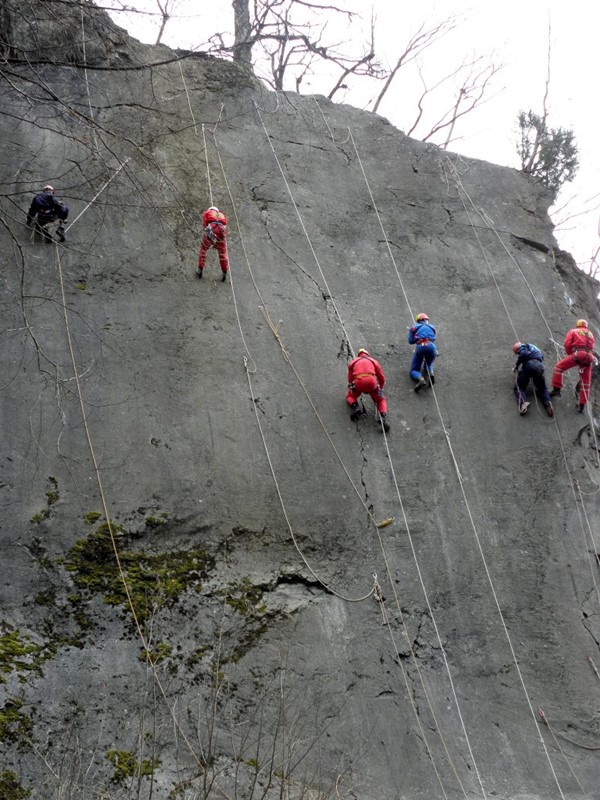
582,359
368,386
221,246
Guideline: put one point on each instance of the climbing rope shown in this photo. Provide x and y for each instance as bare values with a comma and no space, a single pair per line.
288,359
302,225
98,193
210,192
567,761
284,510
107,515
572,481
377,525
87,82
469,512
189,102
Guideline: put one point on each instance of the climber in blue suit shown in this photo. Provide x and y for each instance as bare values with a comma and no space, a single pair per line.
423,336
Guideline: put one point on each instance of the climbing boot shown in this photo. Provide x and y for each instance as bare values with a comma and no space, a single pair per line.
385,423
356,412
580,408
523,408
224,277
431,379
554,392
549,410
60,232
421,383
199,273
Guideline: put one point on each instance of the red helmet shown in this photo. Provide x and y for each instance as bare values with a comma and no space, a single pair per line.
516,346
421,318
581,323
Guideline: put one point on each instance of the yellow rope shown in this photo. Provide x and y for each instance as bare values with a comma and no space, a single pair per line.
109,523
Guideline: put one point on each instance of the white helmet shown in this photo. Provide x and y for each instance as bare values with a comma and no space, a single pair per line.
49,189
213,208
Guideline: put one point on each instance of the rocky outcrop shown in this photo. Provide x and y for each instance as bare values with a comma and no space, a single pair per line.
197,598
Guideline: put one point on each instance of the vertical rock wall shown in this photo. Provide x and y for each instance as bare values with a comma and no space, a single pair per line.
196,600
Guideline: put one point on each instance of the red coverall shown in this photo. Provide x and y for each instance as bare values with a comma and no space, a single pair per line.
217,222
579,343
366,375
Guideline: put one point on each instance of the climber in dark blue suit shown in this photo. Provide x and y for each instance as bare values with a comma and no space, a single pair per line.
530,366
46,209
423,336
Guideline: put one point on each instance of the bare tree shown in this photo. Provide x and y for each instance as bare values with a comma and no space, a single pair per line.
288,42
282,39
166,8
472,91
422,39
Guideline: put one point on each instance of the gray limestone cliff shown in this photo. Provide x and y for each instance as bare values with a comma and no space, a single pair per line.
199,598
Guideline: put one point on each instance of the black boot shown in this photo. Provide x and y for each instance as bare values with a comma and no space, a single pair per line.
555,392
356,412
224,277
60,232
385,423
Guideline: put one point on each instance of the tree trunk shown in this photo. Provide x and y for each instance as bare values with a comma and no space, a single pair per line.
242,47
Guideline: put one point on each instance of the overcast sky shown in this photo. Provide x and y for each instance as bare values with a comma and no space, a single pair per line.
515,33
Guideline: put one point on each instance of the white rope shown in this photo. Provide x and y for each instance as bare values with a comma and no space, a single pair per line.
284,510
474,528
210,194
189,102
456,467
87,82
303,226
390,576
572,481
98,193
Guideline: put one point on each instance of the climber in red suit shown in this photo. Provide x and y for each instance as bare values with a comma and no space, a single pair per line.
365,375
579,346
214,235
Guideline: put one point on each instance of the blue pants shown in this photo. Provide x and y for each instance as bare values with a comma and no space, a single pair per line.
422,363
532,370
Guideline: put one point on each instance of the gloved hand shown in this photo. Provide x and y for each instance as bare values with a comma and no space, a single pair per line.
351,386
379,392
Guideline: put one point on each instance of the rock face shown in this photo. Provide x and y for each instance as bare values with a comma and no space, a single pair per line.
197,600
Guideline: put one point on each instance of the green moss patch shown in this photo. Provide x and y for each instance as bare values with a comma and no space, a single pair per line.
52,497
246,598
153,579
13,722
127,766
19,654
10,787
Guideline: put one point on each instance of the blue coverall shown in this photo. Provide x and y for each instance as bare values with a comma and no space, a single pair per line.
423,336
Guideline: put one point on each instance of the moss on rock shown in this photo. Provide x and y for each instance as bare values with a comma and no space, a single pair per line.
152,579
